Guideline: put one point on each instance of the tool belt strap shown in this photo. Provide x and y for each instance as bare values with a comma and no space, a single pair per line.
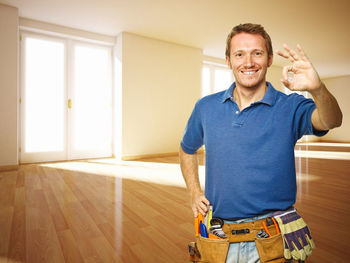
245,232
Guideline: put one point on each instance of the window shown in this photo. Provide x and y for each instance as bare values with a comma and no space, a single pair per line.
215,78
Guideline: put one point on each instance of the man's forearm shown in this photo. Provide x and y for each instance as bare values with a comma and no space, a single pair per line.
327,114
189,169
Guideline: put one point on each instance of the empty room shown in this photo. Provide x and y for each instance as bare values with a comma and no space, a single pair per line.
174,131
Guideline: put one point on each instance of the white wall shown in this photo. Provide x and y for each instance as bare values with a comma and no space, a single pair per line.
161,82
339,87
8,86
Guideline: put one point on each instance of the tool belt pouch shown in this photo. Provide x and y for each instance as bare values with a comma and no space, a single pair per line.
212,250
270,249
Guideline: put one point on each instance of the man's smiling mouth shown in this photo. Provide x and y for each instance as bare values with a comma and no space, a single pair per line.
249,72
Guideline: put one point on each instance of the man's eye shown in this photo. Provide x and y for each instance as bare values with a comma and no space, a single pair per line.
239,54
258,53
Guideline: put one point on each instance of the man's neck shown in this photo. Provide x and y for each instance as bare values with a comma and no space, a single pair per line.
244,97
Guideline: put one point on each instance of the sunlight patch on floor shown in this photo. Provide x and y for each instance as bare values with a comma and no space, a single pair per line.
159,173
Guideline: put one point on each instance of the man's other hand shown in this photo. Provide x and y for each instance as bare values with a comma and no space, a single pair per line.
199,204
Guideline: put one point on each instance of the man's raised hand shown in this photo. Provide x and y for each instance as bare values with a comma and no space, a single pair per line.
305,77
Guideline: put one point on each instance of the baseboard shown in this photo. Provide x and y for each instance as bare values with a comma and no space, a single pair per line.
6,168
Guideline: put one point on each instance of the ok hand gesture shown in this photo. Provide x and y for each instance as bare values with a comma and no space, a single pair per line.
305,77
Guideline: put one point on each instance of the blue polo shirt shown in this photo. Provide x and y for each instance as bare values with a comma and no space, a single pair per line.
250,167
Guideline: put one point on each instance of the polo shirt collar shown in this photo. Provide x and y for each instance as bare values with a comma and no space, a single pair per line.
228,93
269,97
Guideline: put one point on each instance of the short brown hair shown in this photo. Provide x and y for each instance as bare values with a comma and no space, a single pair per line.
251,29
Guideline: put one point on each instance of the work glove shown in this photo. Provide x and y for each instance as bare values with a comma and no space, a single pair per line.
297,240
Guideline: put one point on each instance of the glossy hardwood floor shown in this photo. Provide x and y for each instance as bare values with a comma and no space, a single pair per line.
108,211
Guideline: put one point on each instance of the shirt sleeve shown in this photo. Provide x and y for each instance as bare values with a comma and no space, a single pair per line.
302,118
192,138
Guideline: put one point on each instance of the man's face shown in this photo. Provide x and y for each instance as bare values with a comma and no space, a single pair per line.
249,60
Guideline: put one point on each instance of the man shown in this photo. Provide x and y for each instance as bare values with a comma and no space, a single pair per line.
249,132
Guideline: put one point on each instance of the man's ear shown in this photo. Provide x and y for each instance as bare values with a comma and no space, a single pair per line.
228,62
269,63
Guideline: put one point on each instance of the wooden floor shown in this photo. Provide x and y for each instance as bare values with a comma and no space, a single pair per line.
108,211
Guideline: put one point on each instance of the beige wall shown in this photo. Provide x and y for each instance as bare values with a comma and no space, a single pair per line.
8,86
161,82
274,74
339,87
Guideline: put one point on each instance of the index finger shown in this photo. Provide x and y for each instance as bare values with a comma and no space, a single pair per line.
287,56
205,200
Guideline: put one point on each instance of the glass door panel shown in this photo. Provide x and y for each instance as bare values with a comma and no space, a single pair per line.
91,95
43,99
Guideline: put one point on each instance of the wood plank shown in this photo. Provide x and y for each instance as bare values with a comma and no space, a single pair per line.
69,247
17,247
41,240
6,214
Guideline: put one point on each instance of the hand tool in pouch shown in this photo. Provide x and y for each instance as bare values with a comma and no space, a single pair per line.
197,220
208,217
204,232
216,227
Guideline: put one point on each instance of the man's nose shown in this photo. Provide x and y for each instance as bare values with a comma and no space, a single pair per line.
249,61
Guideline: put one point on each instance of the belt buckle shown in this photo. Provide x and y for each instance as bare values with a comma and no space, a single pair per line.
240,231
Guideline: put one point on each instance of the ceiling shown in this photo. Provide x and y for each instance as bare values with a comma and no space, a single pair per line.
320,26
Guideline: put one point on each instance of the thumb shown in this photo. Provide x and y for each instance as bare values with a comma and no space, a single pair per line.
286,83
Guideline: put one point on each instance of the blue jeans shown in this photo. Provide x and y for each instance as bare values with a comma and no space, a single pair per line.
244,252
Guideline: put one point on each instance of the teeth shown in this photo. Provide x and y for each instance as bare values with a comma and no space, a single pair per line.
249,72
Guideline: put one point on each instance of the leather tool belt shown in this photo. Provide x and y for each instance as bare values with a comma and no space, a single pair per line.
270,248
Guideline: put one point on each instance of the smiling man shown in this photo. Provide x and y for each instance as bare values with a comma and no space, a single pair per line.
249,132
